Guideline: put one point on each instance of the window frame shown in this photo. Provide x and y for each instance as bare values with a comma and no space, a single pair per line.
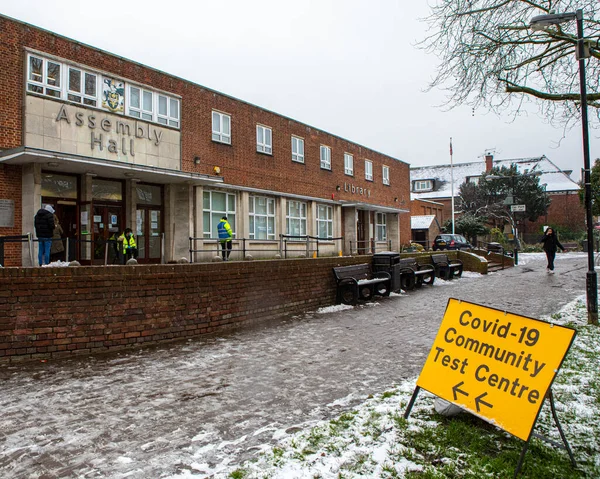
369,170
349,165
43,83
252,214
327,221
380,227
267,148
231,214
83,96
221,137
325,159
303,207
385,174
297,156
422,185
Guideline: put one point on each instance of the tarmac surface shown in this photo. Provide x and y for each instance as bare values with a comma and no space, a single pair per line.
195,407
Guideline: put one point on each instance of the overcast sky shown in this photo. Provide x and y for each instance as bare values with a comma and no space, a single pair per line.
348,67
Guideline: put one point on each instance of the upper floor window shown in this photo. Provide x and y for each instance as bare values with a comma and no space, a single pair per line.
262,217
385,172
82,87
296,218
325,157
60,79
473,179
423,185
324,221
297,149
264,140
368,170
44,76
348,164
221,127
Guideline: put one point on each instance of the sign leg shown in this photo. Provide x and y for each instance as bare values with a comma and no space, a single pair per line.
521,459
412,402
562,434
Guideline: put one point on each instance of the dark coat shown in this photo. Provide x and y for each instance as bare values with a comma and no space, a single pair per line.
44,224
551,243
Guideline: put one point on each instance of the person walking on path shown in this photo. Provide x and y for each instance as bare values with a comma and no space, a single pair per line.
129,245
44,230
551,244
57,248
225,236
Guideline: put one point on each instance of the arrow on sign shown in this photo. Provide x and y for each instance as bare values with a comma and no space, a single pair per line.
456,390
479,400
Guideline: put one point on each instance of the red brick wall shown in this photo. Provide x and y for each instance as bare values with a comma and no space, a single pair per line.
10,188
57,312
240,163
565,211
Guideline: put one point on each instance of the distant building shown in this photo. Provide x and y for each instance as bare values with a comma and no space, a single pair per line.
427,219
433,183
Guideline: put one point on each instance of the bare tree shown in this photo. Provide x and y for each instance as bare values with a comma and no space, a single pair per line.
491,58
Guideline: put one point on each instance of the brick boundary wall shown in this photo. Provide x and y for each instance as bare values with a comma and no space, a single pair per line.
60,312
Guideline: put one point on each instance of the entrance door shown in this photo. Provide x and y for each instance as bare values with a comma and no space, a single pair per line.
361,227
148,236
106,224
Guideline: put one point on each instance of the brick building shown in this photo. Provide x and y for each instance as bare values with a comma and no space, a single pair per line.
427,219
433,183
111,143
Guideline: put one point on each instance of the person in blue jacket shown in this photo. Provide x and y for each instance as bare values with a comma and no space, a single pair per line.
225,236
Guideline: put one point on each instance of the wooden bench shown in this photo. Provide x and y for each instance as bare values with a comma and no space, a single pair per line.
414,275
358,282
446,268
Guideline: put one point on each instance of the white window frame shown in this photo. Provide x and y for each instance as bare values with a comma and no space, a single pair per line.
219,134
423,185
325,157
44,82
171,118
368,170
301,219
264,146
83,97
324,219
297,149
380,227
348,164
230,199
269,215
385,174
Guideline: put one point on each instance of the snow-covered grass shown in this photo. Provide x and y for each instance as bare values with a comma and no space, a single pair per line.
375,441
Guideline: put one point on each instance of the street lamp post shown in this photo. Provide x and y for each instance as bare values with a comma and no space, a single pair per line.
539,23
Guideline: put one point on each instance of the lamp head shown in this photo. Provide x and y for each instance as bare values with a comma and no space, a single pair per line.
540,22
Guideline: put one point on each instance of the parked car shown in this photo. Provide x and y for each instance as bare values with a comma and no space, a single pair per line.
447,241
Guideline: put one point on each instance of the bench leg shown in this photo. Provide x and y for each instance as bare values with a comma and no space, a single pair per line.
429,279
347,294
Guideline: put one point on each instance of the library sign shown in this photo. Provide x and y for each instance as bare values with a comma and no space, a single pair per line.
495,364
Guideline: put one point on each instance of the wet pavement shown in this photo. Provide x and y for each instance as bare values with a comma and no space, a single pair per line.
198,406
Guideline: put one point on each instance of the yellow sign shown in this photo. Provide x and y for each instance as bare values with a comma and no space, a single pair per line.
494,364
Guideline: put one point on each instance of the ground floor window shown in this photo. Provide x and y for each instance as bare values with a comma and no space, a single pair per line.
296,218
217,204
324,221
262,217
380,227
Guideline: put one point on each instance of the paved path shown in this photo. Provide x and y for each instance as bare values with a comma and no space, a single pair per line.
197,405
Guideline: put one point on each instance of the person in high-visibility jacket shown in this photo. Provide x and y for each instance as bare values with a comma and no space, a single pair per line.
129,245
225,236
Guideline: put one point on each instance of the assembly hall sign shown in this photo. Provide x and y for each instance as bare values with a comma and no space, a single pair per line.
495,364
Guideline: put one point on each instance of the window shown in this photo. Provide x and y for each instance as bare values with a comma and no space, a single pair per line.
44,76
473,179
297,149
296,218
216,205
152,106
348,164
423,185
324,221
221,127
264,142
325,157
168,111
380,227
82,87
140,103
262,217
385,173
368,170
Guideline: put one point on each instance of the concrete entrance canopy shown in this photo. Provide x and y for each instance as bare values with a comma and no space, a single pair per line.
75,164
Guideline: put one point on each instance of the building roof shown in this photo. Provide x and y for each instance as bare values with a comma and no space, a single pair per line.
555,179
422,222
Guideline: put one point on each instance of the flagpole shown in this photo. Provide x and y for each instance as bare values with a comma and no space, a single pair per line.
452,183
